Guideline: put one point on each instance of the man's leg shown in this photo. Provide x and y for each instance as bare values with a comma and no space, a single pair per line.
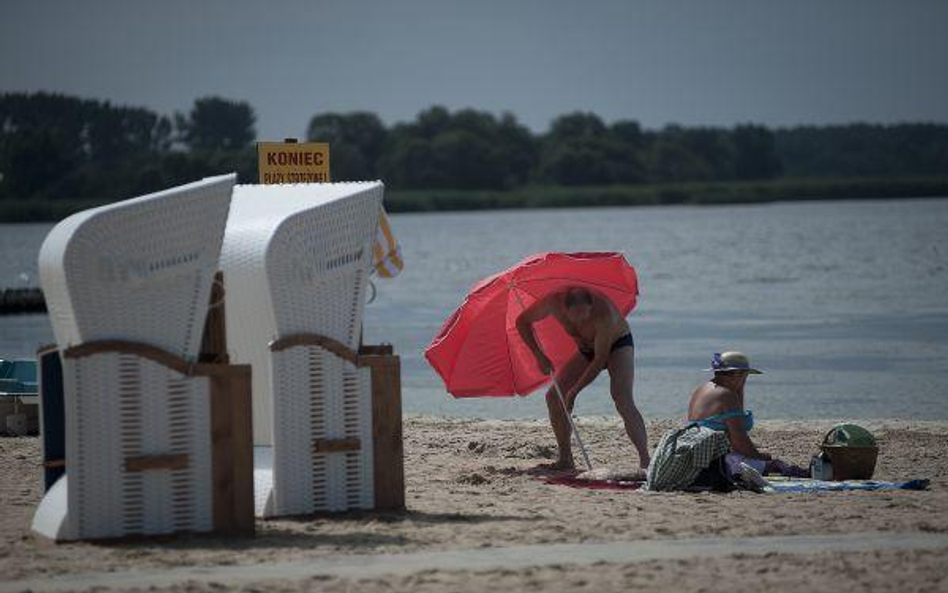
621,379
566,377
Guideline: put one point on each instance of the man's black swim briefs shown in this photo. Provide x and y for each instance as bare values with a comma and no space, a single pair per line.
622,342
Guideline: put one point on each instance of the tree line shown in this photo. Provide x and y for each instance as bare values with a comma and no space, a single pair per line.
57,147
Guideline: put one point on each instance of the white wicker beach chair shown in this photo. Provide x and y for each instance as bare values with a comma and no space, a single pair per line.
296,260
138,439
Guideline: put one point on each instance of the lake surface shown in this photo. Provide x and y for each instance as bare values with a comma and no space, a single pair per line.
844,305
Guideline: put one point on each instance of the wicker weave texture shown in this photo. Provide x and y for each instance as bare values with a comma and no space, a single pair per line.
337,405
120,406
138,270
296,260
141,271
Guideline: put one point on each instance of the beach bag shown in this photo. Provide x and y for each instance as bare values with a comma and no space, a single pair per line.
682,454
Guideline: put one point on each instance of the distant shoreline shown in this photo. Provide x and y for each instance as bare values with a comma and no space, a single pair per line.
668,194
655,194
935,426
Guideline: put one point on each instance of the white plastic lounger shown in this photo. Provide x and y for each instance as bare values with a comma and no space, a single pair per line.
138,439
296,261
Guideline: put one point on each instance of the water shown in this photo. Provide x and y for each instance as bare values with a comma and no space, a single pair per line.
841,303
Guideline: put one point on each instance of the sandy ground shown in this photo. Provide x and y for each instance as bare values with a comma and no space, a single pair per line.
896,572
468,487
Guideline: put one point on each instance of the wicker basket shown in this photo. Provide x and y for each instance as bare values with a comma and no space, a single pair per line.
851,463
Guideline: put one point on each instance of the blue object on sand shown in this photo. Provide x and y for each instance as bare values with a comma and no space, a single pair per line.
805,485
18,377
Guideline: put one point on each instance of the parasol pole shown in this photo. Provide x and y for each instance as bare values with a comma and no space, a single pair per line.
572,424
559,392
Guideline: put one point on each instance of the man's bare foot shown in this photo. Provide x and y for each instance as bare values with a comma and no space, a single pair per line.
559,464
613,475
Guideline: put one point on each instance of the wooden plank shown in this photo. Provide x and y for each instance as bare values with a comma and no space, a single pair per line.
232,452
222,476
231,428
327,343
46,349
153,353
54,463
142,463
214,339
388,445
241,453
148,351
375,350
336,445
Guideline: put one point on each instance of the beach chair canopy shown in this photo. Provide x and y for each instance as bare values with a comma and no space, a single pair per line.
296,261
140,270
137,270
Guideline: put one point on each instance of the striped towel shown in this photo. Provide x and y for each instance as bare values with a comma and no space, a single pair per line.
387,256
785,485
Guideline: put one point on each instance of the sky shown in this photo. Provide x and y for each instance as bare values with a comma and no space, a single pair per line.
704,62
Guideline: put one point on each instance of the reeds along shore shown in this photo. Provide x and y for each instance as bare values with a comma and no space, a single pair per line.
693,193
659,194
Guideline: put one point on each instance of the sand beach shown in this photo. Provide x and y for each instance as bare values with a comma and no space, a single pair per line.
470,488
224,294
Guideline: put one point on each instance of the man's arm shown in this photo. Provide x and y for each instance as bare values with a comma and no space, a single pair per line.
535,312
601,348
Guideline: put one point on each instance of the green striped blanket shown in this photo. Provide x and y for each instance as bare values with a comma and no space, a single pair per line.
681,454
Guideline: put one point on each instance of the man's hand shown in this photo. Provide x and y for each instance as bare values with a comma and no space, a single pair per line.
544,364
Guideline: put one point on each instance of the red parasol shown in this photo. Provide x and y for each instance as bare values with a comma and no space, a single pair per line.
479,352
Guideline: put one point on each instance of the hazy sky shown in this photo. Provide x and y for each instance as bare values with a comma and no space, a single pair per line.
701,62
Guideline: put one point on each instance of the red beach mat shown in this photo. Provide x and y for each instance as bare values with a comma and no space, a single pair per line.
569,478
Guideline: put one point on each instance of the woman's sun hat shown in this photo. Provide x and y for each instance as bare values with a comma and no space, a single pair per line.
731,361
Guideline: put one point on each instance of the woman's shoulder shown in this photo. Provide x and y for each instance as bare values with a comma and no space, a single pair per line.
711,399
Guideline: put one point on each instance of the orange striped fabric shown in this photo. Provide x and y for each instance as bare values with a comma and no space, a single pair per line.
387,258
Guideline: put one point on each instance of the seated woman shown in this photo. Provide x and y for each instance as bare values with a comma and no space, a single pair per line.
719,405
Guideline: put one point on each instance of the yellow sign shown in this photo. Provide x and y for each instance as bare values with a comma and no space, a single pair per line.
291,162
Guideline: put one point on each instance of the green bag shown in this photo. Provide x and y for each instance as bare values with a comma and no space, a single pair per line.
849,435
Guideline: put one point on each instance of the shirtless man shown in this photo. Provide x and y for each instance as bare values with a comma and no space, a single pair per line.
604,341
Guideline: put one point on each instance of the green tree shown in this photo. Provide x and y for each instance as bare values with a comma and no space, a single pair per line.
520,150
468,149
580,149
408,162
714,148
627,153
355,143
755,155
215,123
32,161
